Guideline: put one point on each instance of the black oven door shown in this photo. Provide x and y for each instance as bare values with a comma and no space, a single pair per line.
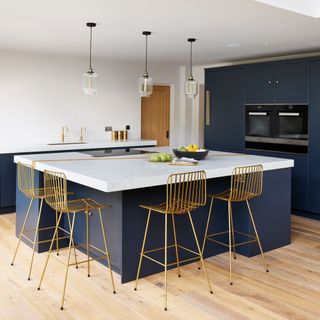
259,123
292,125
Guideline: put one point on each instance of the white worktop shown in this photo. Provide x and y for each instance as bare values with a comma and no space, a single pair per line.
74,146
134,171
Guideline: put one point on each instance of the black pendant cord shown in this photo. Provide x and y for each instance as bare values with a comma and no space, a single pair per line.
90,68
90,25
190,75
146,59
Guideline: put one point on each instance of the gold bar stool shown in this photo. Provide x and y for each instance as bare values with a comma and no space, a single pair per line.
58,201
26,186
246,184
185,192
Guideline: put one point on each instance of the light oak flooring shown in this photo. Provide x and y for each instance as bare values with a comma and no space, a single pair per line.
290,291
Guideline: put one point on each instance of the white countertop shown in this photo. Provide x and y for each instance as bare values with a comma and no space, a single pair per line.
132,172
75,146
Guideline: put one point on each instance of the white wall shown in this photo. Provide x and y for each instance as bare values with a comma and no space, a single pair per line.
41,93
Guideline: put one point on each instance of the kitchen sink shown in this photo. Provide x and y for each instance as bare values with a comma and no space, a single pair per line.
64,143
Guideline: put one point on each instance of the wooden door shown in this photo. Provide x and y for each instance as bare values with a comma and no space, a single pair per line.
155,116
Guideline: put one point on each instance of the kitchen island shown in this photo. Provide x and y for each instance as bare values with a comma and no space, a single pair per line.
127,181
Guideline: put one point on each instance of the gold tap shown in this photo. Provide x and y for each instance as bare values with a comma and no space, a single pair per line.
64,129
83,129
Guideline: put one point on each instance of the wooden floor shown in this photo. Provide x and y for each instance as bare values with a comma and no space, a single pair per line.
290,291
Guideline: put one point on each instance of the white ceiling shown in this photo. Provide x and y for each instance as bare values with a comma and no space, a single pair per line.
226,30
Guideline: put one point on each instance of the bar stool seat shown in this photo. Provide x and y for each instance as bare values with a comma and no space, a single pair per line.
185,193
226,195
177,207
55,188
85,204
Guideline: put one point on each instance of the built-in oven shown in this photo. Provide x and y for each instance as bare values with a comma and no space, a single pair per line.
277,127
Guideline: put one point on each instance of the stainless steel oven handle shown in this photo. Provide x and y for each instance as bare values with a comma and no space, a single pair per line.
258,113
208,108
289,114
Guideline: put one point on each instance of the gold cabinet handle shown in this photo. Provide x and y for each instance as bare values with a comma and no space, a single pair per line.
208,108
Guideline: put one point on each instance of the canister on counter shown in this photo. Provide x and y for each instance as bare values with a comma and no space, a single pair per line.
120,135
114,135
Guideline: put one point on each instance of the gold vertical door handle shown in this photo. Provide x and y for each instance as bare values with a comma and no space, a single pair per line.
208,108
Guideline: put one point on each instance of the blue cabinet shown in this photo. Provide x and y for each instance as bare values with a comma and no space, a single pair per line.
314,186
285,81
314,110
225,129
7,181
259,83
291,82
299,183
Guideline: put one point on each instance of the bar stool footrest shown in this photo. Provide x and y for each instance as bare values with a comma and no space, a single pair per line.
211,236
144,254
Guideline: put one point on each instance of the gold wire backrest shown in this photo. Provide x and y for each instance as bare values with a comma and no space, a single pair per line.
186,191
246,182
26,179
55,190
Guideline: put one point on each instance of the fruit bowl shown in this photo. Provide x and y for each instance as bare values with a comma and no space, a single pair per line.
197,155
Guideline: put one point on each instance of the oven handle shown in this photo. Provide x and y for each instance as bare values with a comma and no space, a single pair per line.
289,114
258,113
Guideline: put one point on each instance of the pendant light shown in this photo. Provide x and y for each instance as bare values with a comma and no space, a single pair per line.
145,83
90,78
191,85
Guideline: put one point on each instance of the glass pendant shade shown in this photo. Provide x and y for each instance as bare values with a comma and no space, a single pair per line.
191,88
145,86
90,83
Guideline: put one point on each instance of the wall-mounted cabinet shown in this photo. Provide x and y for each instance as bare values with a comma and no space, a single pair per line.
277,82
224,128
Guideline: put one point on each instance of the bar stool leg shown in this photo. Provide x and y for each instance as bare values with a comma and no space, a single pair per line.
50,249
74,249
106,249
200,252
165,261
68,261
57,235
257,236
207,228
176,244
22,230
35,238
232,229
88,241
142,249
230,242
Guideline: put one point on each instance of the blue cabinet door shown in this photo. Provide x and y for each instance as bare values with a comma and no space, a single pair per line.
314,186
7,180
299,182
259,84
314,110
291,82
226,129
